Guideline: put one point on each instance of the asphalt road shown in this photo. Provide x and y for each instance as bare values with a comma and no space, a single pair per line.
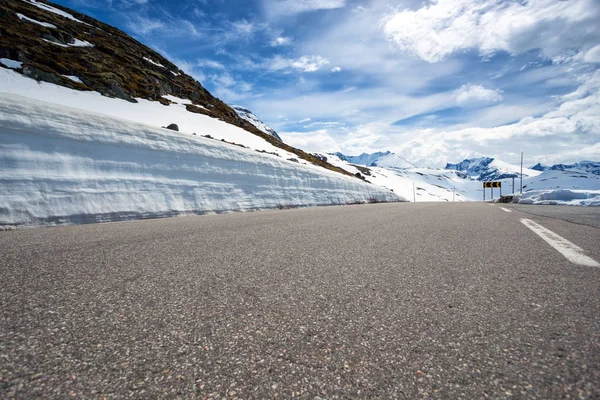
402,300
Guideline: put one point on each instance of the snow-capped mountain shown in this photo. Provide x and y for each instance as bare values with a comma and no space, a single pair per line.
490,169
385,159
254,120
592,167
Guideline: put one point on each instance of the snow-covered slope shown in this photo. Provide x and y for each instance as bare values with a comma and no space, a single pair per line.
365,159
562,188
392,160
416,184
490,169
254,120
144,111
60,164
385,159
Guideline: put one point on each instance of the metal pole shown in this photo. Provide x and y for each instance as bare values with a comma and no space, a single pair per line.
513,184
492,190
484,193
521,172
414,194
453,191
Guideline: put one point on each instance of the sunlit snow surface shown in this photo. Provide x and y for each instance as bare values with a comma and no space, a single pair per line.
429,184
11,63
144,111
62,165
44,24
576,188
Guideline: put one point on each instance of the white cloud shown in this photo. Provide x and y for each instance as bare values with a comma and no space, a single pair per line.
592,55
209,64
243,27
336,69
290,7
563,133
443,27
304,120
144,26
309,63
324,123
316,141
475,95
281,41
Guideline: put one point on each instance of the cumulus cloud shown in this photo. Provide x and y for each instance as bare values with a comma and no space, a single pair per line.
281,41
309,63
290,7
468,95
592,55
565,132
444,27
336,69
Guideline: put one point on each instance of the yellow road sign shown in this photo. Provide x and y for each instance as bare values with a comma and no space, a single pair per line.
491,184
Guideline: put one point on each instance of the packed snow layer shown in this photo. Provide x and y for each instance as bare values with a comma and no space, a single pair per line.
561,197
62,165
144,111
574,188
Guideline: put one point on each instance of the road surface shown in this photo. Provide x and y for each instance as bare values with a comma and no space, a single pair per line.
419,300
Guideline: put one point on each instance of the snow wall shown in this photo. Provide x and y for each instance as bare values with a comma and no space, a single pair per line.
62,165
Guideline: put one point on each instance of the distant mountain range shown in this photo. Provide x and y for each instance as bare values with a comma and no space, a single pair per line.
385,159
480,169
592,167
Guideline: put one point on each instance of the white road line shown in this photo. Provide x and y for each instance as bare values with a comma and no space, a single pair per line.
491,205
571,251
505,209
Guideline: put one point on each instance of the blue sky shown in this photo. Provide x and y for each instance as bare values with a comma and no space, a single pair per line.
435,81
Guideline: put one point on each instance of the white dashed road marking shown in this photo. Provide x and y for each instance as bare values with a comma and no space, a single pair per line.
505,209
571,251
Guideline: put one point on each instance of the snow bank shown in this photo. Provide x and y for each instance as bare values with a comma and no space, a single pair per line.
144,111
556,187
561,197
62,165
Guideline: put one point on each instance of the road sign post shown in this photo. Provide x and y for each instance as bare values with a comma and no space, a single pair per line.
492,185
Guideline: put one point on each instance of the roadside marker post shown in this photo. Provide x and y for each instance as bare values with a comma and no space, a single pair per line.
492,185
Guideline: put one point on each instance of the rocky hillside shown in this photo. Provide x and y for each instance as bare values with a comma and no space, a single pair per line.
55,44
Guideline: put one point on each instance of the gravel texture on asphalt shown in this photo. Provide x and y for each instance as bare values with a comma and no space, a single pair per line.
376,301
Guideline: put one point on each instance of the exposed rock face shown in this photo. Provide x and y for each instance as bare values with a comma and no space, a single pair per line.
54,42
173,127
